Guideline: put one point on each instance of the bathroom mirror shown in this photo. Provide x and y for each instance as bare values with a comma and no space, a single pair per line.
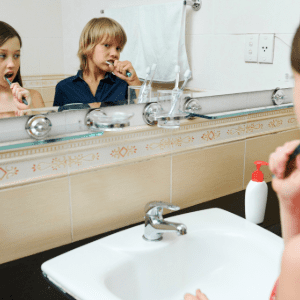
215,47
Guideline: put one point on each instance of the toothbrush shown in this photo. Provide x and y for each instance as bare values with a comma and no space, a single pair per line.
177,71
144,86
290,166
177,93
187,76
23,98
128,74
153,68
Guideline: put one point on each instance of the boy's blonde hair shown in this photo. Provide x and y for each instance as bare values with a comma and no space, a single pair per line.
95,31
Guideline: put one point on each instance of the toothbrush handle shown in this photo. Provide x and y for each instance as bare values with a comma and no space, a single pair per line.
290,166
24,101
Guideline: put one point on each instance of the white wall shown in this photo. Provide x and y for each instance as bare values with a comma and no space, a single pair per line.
39,24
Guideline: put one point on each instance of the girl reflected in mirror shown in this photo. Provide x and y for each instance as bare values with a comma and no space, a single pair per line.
101,40
11,103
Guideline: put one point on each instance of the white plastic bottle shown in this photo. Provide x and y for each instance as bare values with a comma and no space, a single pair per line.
256,195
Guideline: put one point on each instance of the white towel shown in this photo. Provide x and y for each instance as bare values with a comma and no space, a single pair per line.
155,34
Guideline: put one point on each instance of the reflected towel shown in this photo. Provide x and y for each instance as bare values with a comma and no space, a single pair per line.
155,34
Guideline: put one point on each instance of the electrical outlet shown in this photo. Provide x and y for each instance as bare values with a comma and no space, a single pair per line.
251,47
266,48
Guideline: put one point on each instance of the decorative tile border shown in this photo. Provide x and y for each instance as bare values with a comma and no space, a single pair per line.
133,144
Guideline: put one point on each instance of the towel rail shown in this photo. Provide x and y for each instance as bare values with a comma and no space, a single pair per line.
196,4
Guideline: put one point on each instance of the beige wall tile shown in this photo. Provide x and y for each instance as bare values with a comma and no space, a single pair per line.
111,198
48,95
34,218
207,174
260,148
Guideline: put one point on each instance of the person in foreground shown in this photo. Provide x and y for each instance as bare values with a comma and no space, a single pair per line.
11,95
101,41
287,287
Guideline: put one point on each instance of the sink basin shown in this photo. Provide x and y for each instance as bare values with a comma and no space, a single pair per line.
224,255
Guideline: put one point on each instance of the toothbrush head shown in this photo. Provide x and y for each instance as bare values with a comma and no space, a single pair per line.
153,67
8,81
177,69
148,70
187,74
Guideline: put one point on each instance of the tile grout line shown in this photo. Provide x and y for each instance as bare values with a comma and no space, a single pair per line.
244,163
71,212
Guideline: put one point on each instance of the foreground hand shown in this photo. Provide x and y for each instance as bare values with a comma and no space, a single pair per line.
278,159
120,68
288,189
19,92
199,296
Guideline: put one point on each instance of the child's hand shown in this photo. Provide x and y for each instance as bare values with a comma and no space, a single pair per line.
120,68
288,189
279,159
19,92
199,296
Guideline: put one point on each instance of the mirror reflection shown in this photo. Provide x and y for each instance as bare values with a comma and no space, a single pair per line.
102,79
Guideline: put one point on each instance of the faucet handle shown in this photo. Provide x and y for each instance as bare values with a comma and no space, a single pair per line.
155,208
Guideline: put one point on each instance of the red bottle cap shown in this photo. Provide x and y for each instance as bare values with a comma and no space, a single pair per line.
258,175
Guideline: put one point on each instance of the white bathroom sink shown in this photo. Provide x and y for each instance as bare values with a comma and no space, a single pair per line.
224,255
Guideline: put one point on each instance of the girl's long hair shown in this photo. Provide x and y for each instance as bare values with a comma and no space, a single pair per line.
7,32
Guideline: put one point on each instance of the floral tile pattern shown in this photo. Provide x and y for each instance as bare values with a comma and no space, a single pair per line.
7,172
122,152
211,135
170,143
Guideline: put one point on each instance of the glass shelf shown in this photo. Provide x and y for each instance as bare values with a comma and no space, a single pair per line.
236,113
49,141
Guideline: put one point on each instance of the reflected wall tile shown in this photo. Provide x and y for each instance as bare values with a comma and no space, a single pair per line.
244,16
48,95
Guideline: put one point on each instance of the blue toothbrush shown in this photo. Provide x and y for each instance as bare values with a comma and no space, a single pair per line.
290,166
128,74
23,98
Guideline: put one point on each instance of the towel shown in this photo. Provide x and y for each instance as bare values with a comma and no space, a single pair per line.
155,34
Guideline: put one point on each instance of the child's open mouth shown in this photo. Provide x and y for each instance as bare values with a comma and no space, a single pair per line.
110,62
9,76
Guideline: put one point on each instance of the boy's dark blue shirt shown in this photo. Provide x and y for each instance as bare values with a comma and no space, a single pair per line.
111,91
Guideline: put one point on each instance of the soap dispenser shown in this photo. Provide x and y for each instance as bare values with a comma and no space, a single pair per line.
256,195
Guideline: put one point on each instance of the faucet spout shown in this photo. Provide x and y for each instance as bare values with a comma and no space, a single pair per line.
165,226
155,225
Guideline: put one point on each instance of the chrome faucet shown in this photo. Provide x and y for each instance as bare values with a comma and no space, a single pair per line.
155,225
